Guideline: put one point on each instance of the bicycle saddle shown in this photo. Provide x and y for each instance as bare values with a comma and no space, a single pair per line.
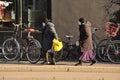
68,36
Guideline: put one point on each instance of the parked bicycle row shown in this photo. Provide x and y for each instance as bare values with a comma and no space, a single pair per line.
15,47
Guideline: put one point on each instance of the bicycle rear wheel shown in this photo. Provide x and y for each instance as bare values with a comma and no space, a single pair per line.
113,51
34,51
10,49
58,55
65,52
101,50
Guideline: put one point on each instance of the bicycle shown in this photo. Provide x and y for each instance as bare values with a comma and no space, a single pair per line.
69,51
108,50
13,49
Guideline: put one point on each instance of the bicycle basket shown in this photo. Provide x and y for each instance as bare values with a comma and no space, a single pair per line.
57,45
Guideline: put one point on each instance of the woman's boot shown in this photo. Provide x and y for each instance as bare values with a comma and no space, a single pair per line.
79,63
93,62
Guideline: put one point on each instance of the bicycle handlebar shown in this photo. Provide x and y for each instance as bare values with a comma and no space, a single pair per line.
16,24
26,30
31,30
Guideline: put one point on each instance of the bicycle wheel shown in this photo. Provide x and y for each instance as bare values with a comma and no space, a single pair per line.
113,51
101,50
64,52
10,49
34,51
65,55
58,55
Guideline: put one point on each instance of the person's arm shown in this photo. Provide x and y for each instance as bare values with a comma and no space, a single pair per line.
52,30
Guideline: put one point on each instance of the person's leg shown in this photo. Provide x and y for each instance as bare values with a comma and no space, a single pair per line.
46,61
53,58
46,57
92,57
80,61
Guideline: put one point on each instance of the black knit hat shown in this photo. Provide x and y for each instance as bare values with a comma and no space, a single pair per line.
81,20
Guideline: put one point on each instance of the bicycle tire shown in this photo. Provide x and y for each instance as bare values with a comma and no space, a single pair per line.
113,51
64,53
58,55
69,55
34,51
69,52
101,50
10,49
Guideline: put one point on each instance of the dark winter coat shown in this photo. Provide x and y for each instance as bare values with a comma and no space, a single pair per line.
48,35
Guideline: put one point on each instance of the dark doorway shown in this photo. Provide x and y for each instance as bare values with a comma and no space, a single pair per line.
32,11
49,9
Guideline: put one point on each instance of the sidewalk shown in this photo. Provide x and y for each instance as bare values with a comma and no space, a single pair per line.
61,71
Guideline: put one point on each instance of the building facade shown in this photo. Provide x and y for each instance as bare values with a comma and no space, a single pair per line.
63,13
30,12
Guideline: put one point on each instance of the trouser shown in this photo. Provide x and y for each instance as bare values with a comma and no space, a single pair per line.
52,55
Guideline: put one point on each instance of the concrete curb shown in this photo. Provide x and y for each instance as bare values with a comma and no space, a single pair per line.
58,72
46,68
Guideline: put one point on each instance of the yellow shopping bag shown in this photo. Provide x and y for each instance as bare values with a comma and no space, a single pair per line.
57,45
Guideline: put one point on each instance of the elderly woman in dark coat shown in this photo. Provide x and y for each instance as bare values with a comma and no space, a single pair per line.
49,34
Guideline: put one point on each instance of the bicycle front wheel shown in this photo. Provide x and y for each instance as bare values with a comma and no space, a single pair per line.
34,51
113,51
10,49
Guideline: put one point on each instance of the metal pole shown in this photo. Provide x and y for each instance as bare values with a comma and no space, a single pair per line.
20,22
20,18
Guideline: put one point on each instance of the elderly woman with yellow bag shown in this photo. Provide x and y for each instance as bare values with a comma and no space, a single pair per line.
49,33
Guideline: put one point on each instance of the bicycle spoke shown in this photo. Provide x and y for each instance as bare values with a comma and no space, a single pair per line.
114,52
34,52
101,50
10,49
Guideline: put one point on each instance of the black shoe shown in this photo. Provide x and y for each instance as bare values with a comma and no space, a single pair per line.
79,63
93,62
44,62
52,63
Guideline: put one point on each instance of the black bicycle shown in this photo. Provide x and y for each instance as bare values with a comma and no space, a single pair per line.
109,50
14,47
